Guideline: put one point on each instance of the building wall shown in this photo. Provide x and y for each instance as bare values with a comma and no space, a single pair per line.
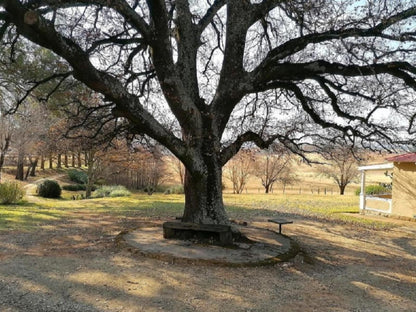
404,190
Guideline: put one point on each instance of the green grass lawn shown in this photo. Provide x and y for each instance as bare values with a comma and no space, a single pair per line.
29,215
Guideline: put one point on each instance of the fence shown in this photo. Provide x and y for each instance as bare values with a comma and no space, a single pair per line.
299,190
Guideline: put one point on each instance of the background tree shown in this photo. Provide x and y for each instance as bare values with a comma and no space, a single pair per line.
133,165
342,166
233,72
6,130
10,87
238,170
273,165
288,177
29,128
179,169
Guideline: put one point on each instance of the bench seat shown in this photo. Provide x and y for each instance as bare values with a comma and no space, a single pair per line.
280,222
186,230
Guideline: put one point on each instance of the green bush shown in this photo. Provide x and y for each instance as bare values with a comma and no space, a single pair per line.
74,187
49,189
111,191
10,193
373,190
78,176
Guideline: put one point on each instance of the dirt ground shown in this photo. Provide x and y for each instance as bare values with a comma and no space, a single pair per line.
76,266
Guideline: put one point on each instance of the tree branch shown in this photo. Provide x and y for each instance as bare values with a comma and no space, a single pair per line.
120,6
295,45
40,31
231,150
210,14
118,41
301,71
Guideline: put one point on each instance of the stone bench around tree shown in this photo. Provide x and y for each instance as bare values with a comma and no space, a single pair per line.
219,234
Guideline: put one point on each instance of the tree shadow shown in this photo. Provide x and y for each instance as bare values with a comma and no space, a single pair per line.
379,269
77,266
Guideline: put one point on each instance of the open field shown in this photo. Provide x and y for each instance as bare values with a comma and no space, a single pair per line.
60,255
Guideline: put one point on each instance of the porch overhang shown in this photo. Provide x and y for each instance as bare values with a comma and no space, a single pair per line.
377,167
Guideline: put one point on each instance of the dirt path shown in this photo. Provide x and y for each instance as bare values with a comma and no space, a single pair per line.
75,266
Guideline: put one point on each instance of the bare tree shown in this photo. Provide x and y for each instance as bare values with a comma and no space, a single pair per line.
288,177
30,127
232,72
342,166
238,170
9,89
179,169
6,130
272,166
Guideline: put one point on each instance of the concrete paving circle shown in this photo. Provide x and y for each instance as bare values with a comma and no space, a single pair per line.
268,247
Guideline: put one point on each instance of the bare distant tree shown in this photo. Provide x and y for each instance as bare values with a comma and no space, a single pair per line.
30,128
231,72
133,165
342,165
6,130
9,90
179,169
273,165
238,170
288,177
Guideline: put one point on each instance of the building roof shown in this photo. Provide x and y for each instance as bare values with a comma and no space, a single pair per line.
409,157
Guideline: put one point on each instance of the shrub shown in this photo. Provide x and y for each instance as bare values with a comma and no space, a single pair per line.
78,176
49,189
373,190
74,187
10,193
120,193
111,191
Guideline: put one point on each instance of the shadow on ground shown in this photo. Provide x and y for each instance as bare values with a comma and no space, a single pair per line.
72,264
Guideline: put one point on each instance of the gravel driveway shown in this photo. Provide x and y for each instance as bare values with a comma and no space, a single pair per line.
76,266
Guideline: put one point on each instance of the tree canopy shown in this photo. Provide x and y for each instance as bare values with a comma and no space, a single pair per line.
233,72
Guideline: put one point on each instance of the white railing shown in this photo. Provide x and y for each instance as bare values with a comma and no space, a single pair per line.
364,199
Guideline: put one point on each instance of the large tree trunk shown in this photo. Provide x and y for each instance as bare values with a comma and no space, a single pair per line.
342,189
203,199
203,192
